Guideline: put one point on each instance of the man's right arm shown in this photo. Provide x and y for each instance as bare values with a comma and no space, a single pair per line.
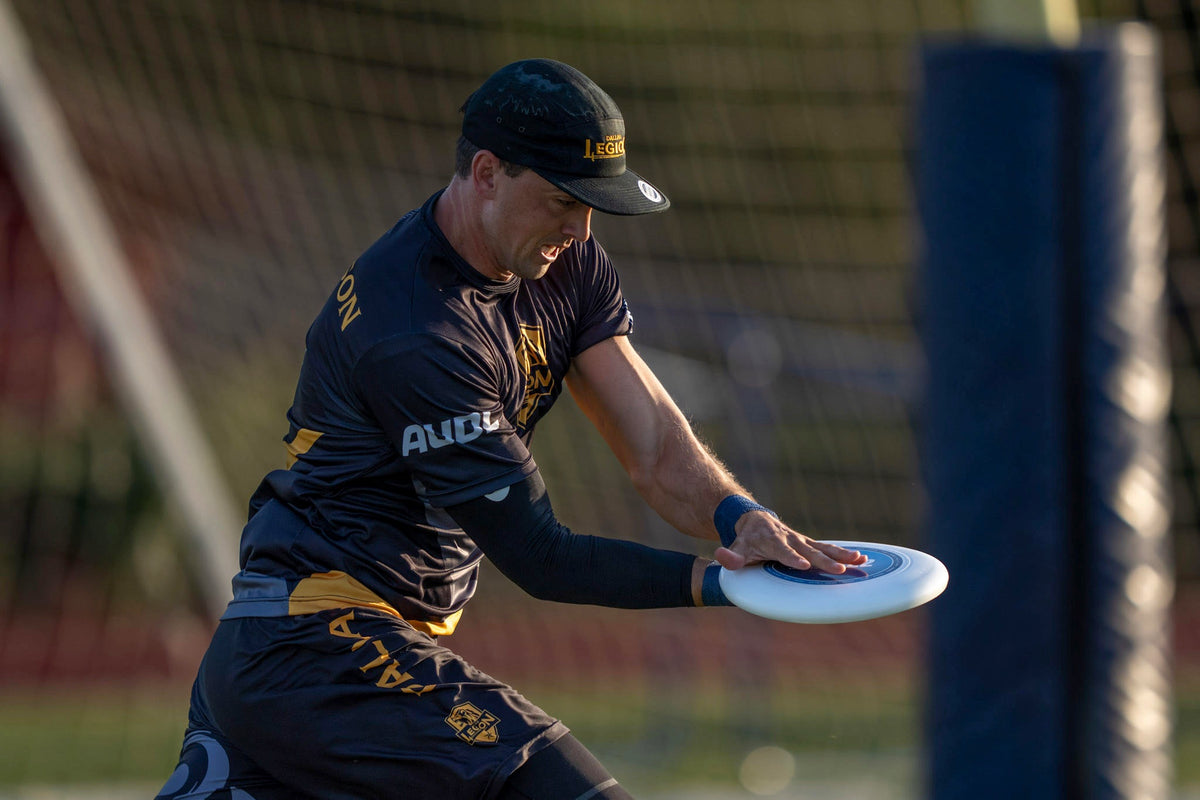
675,472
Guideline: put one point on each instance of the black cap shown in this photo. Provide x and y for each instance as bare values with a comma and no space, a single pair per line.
552,118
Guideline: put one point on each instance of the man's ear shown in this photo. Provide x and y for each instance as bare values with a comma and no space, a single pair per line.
485,167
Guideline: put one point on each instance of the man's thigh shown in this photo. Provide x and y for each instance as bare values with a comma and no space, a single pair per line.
356,704
212,769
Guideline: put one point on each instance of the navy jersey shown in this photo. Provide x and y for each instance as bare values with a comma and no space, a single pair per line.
421,386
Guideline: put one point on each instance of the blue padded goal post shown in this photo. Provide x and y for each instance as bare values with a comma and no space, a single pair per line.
1042,426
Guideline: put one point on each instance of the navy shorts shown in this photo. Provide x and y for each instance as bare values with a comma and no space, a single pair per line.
351,703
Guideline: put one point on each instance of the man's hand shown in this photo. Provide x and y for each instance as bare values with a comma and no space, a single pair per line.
762,537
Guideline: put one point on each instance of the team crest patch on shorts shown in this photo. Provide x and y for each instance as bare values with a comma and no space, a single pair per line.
473,725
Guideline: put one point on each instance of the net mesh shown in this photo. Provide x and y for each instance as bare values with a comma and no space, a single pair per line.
248,152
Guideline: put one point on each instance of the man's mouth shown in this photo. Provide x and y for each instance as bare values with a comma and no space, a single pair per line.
552,251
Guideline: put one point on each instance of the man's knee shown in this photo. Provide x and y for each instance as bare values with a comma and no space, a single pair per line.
566,770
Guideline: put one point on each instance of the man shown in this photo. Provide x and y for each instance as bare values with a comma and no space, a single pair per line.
423,379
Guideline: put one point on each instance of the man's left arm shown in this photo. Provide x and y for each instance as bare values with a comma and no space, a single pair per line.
675,472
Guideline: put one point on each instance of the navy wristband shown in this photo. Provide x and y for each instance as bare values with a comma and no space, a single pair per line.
729,511
710,589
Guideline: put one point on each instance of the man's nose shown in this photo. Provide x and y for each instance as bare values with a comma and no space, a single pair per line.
579,225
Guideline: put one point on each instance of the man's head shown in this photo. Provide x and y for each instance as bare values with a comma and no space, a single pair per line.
464,154
553,119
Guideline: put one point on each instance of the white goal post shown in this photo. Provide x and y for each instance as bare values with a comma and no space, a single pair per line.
97,280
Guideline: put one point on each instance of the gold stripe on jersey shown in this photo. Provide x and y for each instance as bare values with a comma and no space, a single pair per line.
329,590
300,444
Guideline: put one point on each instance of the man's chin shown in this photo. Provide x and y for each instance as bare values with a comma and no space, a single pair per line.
531,271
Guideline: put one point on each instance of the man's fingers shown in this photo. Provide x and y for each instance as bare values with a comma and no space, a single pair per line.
833,558
839,553
794,559
823,562
793,550
729,559
732,559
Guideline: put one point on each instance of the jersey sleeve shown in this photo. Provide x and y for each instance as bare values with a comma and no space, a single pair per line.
520,534
603,312
438,402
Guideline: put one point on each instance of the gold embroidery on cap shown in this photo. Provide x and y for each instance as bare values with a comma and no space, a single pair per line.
613,146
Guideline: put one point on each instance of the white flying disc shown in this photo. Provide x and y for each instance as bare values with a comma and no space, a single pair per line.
892,580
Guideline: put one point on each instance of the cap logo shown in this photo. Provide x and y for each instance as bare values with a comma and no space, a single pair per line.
613,146
649,192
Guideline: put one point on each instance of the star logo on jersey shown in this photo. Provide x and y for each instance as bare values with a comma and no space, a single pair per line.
539,381
473,725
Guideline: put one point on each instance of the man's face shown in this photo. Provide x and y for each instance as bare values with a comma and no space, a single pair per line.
528,222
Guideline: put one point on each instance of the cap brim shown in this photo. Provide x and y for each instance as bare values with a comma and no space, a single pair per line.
626,194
